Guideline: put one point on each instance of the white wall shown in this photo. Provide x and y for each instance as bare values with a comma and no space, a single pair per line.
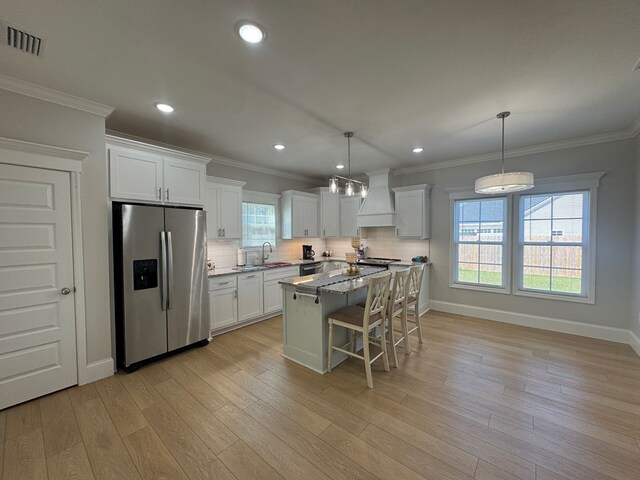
614,236
33,120
256,181
635,313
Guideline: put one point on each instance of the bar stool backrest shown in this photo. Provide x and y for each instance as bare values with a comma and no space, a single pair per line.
377,298
400,291
415,281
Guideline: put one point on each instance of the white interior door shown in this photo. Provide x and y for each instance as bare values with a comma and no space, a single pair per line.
37,314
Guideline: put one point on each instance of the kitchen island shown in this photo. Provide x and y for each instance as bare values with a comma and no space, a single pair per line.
307,302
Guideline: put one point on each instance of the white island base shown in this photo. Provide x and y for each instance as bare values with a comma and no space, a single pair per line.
305,328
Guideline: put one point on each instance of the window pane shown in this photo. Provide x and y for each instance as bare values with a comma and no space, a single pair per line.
567,231
566,281
468,231
491,274
568,205
567,257
537,207
537,230
258,224
537,256
536,278
491,254
468,272
469,211
468,253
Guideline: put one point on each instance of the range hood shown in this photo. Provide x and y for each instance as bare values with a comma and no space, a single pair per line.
378,208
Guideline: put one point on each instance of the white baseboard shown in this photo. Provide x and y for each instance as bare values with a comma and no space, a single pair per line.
601,332
634,341
99,370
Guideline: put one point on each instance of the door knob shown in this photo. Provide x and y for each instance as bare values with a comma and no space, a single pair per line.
65,291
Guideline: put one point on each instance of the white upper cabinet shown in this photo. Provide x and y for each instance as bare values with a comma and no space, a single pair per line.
412,211
349,207
329,213
184,181
224,208
135,175
148,173
299,214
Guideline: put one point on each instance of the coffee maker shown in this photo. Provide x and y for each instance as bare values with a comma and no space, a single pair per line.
307,252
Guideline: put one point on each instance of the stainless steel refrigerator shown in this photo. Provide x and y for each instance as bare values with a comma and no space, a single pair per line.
160,281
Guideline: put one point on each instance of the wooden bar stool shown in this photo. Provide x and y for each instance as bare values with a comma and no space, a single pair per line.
364,321
398,308
413,302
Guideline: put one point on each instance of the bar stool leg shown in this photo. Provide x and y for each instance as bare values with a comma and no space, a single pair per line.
330,353
405,331
385,350
367,359
392,341
417,317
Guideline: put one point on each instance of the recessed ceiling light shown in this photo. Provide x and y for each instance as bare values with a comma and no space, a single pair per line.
250,32
278,146
418,150
340,166
164,107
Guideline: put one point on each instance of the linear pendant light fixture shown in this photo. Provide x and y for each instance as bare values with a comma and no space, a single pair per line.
348,187
504,182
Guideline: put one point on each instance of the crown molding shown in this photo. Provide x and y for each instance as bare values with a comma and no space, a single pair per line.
128,141
40,149
225,181
215,158
630,132
53,96
260,169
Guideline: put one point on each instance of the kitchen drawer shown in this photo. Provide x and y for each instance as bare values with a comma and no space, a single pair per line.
227,281
280,273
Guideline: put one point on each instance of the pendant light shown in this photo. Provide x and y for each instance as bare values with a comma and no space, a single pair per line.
349,189
504,182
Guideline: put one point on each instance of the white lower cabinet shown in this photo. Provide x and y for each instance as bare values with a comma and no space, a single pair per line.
249,296
272,292
223,301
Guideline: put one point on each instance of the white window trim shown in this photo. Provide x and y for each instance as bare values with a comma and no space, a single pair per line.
467,193
250,196
583,182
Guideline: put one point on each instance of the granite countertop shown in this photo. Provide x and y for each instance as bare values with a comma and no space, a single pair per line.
221,271
409,263
348,285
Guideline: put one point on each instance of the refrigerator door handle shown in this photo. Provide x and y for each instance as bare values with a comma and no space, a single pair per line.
163,270
169,270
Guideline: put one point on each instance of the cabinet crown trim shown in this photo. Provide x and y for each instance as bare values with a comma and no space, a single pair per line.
114,141
300,194
225,181
410,188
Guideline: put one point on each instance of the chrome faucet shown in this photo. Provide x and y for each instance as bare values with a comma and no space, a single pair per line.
270,251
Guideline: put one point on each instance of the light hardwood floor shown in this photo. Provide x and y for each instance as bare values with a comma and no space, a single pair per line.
478,399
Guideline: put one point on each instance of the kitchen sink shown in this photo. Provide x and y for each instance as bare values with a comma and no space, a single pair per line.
277,264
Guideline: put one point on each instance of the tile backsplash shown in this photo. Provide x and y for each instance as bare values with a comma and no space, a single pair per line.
381,242
224,253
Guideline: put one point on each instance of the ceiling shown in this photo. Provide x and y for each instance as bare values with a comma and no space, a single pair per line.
398,73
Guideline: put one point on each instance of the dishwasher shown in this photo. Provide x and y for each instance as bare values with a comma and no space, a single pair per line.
310,268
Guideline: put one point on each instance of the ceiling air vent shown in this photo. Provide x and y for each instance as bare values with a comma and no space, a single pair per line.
18,38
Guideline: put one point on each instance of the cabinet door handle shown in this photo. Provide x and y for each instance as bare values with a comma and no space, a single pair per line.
235,294
167,194
224,232
219,232
159,193
224,283
397,231
252,276
324,234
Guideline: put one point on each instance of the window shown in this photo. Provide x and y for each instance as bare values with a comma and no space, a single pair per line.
479,243
258,224
554,238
